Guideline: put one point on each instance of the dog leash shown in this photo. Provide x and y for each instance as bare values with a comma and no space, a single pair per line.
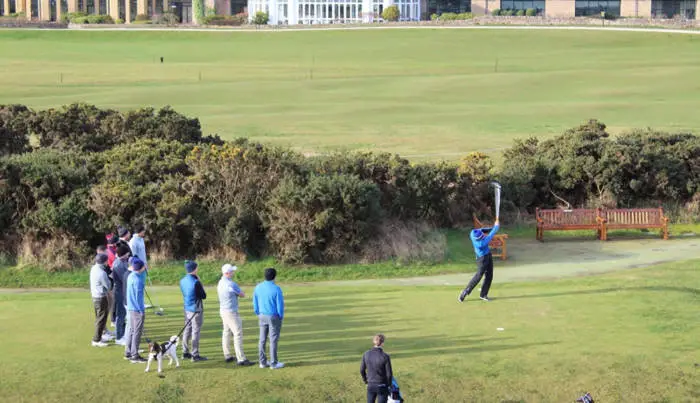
181,330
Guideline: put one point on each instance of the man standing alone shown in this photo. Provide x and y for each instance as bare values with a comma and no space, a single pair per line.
229,292
99,288
376,372
484,262
268,304
193,294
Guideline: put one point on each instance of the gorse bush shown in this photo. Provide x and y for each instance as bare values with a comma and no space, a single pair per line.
14,129
585,166
92,169
86,128
328,218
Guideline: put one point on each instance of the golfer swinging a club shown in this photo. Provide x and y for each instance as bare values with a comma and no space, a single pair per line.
484,262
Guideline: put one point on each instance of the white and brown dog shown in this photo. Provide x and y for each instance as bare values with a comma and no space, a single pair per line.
158,351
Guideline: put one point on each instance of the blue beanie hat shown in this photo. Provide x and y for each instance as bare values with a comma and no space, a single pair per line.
477,233
190,266
136,263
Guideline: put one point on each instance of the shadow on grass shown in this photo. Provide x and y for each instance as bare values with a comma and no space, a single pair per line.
328,328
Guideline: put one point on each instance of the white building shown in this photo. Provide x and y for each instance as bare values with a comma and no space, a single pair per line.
294,12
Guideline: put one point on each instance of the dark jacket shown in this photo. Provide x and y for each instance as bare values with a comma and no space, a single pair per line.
120,272
376,367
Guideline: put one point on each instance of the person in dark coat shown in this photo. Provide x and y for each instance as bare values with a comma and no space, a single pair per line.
376,372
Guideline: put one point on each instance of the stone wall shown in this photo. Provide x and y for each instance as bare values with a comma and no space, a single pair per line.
483,20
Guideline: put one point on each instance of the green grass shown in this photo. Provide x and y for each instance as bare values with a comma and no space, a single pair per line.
626,336
427,94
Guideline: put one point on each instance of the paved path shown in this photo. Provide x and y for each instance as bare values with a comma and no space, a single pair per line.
531,260
360,28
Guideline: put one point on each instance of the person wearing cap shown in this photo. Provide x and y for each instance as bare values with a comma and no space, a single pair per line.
135,285
138,245
124,237
193,295
99,287
120,272
484,262
268,304
229,292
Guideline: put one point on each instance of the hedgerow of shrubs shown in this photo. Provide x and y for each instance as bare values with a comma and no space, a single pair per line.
92,169
530,12
226,20
452,17
83,18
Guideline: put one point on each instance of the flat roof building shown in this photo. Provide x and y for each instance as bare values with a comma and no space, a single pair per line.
349,11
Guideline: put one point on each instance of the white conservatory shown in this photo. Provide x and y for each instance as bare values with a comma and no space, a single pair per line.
295,12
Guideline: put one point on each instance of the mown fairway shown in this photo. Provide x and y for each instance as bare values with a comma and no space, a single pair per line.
427,94
629,336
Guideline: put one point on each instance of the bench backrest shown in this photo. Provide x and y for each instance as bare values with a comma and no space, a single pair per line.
643,216
563,218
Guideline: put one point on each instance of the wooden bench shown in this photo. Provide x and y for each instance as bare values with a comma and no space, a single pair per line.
499,243
652,218
568,220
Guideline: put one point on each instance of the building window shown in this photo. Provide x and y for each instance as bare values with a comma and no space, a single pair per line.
449,6
673,9
523,5
595,7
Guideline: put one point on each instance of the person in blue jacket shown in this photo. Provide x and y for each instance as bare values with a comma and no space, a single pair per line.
268,304
193,295
484,262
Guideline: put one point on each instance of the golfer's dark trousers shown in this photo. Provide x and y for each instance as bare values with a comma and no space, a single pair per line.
121,316
101,312
484,268
377,393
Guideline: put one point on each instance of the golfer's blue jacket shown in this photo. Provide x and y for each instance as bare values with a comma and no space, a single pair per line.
268,299
481,246
135,285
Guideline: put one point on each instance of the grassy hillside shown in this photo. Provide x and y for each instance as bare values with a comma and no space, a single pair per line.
427,94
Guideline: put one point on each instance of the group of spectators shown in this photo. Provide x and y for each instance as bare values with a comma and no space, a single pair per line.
118,282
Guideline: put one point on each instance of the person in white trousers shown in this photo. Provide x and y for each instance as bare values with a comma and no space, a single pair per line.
229,292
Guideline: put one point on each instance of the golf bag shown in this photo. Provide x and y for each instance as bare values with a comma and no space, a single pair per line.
587,398
394,392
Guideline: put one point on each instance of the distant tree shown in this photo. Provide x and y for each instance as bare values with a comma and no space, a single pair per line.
261,18
391,13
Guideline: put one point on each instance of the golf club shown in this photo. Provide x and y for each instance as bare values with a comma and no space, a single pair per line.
497,187
158,311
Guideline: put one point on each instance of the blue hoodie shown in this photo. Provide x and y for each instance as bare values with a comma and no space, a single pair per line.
268,299
481,246
135,285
